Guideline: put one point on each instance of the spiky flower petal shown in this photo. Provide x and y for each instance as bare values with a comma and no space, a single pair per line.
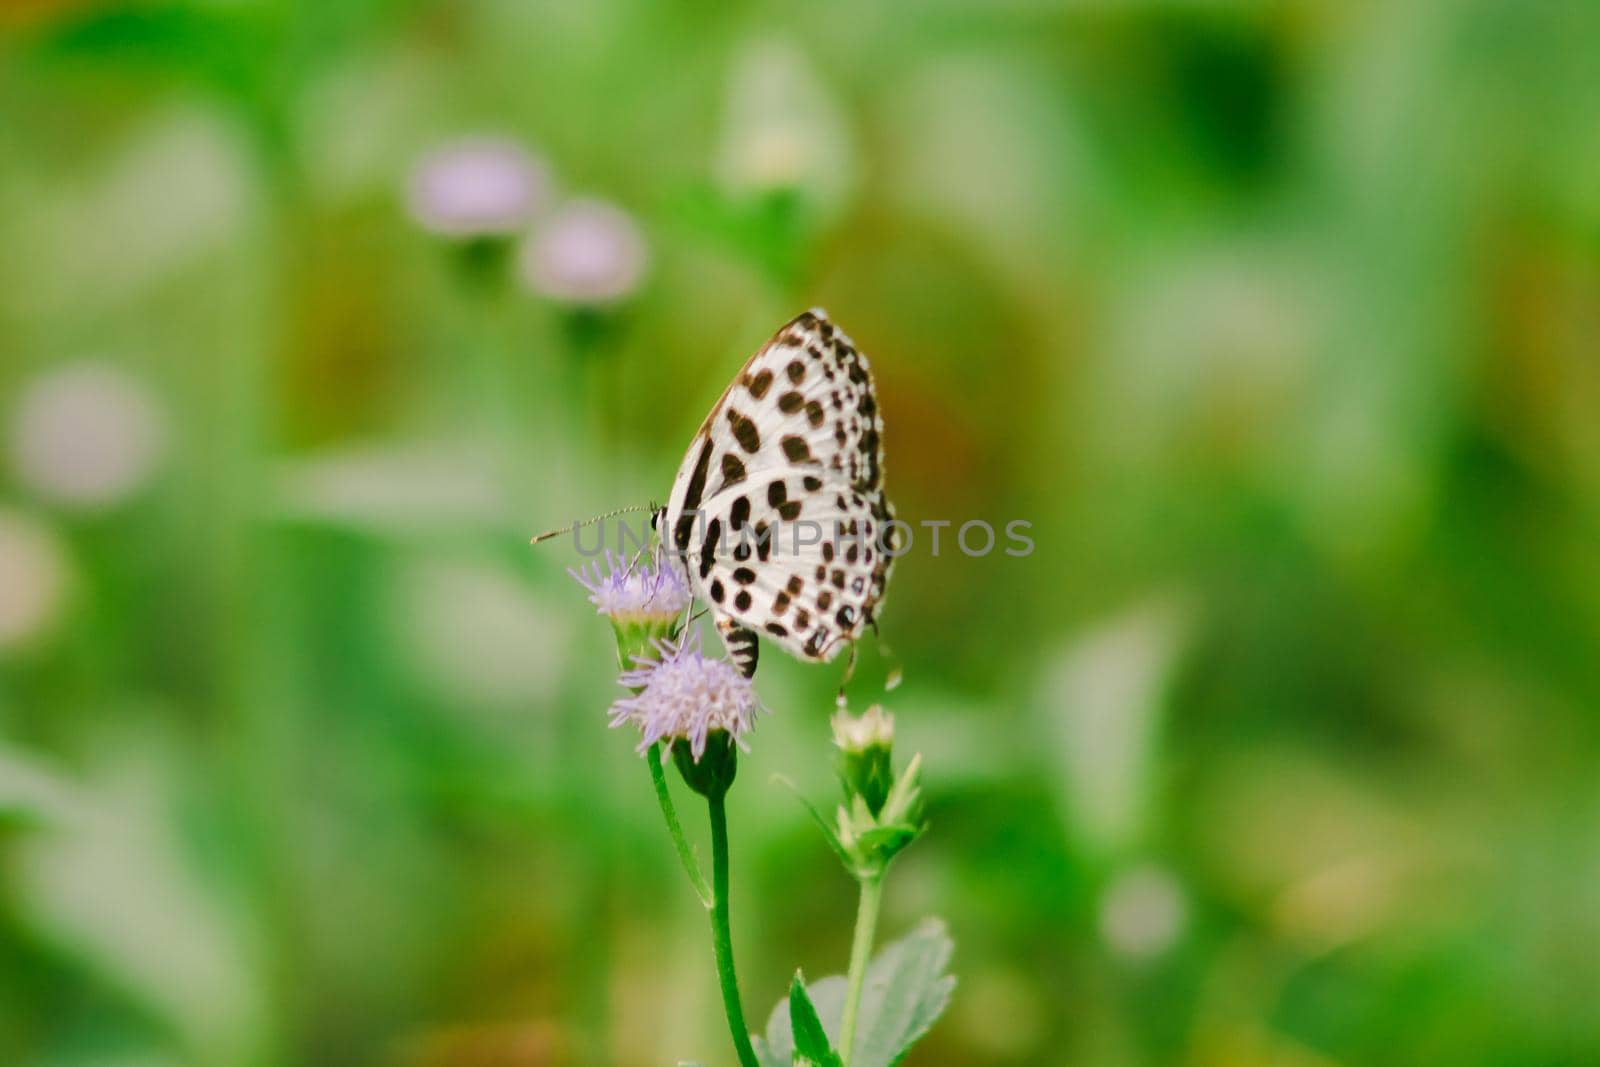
684,695
644,599
644,591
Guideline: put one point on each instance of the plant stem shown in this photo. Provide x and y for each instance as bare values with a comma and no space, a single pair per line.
860,953
721,934
691,867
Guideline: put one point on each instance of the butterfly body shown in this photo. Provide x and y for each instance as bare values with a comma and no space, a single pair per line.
778,515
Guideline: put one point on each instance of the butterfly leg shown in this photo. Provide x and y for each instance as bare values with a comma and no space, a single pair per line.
849,673
742,646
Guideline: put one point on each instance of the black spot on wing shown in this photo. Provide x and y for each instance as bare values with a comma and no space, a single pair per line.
708,548
744,431
732,470
696,489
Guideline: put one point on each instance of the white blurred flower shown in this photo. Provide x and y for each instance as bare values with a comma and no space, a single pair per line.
168,191
386,486
119,881
33,580
782,130
479,187
1143,912
87,435
589,252
1104,697
478,635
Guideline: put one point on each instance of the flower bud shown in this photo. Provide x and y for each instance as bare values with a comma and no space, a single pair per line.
864,764
711,772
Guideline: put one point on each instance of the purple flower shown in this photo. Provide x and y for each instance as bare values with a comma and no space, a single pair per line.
644,592
589,252
684,695
479,187
87,435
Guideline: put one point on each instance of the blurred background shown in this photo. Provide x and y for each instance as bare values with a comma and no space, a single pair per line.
1280,322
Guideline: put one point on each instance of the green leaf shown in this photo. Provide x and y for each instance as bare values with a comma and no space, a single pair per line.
811,1043
827,999
905,992
827,830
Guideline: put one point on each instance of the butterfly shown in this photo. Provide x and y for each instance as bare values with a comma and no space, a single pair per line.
777,515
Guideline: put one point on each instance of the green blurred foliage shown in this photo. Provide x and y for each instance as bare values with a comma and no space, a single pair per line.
1280,322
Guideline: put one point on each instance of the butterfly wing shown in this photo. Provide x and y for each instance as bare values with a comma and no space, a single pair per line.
778,512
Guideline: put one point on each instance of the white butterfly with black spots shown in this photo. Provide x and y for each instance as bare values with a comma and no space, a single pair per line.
777,515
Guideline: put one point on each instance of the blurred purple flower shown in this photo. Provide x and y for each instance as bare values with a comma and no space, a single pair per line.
479,187
684,695
589,252
87,435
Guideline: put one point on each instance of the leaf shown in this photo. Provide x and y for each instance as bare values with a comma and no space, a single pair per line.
810,1039
827,999
905,992
827,830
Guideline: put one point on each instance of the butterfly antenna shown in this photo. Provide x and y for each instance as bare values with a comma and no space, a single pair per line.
558,531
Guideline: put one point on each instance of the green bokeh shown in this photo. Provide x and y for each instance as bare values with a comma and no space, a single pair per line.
1280,323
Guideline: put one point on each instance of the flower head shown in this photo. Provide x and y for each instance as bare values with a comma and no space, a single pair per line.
588,253
644,599
858,734
642,592
685,696
480,187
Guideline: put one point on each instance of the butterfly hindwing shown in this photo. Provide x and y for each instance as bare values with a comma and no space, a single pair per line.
810,585
778,512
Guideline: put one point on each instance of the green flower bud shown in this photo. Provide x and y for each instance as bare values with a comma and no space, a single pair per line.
712,774
864,764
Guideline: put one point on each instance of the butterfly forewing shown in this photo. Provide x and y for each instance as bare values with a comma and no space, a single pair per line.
778,513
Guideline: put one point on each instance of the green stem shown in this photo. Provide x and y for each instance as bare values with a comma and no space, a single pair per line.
860,953
691,867
722,936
